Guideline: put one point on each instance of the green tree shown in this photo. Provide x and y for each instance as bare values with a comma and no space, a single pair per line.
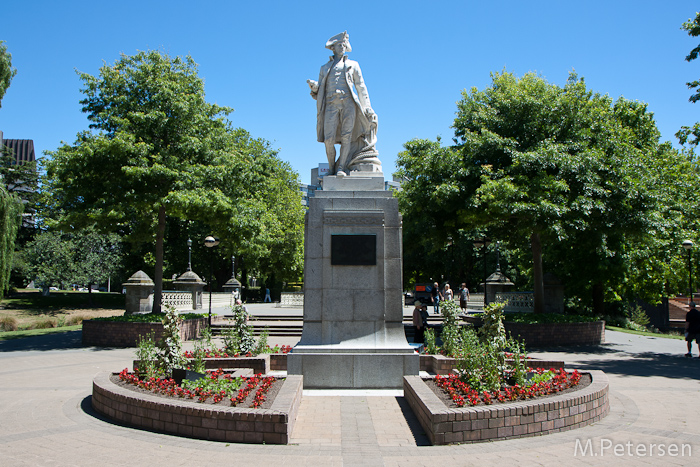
96,256
537,164
161,151
50,259
691,135
10,219
7,72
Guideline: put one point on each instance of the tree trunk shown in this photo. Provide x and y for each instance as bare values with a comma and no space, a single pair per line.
536,246
158,279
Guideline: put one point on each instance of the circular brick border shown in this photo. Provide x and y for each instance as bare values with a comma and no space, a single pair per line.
194,420
553,414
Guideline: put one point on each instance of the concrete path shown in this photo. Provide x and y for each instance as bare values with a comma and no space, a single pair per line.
46,418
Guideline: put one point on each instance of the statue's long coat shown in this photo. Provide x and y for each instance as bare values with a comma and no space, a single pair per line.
353,76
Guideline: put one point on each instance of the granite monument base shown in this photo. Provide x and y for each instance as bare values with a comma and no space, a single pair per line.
325,367
353,333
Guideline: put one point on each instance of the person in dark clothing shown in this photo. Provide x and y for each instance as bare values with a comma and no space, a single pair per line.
692,328
420,321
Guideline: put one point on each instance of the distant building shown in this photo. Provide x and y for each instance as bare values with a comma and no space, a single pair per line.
23,152
317,174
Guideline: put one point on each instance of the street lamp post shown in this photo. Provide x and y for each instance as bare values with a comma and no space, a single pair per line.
189,256
210,242
483,243
688,245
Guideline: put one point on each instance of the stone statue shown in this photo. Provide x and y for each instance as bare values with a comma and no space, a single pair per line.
345,115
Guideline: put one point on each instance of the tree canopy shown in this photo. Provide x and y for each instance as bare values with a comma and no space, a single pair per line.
570,173
10,219
691,135
161,151
7,72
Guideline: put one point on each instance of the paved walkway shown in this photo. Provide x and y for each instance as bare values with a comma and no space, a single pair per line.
46,417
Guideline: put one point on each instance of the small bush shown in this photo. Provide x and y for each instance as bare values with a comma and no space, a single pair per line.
45,323
431,347
639,316
8,323
73,320
532,318
147,318
147,355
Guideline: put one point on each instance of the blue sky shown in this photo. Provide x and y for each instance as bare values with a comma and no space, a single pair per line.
416,58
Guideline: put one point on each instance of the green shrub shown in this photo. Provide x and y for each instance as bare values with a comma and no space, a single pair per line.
44,323
147,355
639,316
532,318
262,346
482,360
239,338
8,323
451,340
147,318
431,347
170,344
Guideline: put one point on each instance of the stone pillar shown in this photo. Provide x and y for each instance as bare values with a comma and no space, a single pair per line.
139,293
233,286
553,294
191,282
353,333
497,283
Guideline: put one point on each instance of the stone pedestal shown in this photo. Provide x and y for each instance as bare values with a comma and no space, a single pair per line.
191,282
139,293
353,333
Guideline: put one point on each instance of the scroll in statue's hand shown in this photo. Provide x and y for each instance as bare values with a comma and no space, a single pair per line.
314,87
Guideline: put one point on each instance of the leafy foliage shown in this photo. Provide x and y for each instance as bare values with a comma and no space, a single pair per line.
82,257
147,355
239,337
161,151
579,180
170,345
431,347
10,219
7,72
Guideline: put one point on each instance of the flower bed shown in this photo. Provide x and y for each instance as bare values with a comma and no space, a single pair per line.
515,419
442,365
461,394
180,415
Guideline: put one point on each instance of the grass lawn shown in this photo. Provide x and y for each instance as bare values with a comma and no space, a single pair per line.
8,335
645,333
60,311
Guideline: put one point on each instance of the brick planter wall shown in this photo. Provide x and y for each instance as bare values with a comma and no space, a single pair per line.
119,334
505,421
278,361
552,334
194,420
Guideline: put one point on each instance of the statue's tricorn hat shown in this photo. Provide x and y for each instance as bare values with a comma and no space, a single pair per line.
342,37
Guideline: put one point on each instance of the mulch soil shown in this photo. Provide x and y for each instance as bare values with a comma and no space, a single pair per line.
226,402
449,403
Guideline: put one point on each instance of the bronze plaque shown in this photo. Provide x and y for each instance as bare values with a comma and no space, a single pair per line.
353,250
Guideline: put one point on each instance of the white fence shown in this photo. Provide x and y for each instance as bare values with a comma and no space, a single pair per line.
292,299
179,300
517,301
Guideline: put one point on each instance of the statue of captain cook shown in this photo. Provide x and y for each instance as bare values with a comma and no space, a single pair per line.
345,115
